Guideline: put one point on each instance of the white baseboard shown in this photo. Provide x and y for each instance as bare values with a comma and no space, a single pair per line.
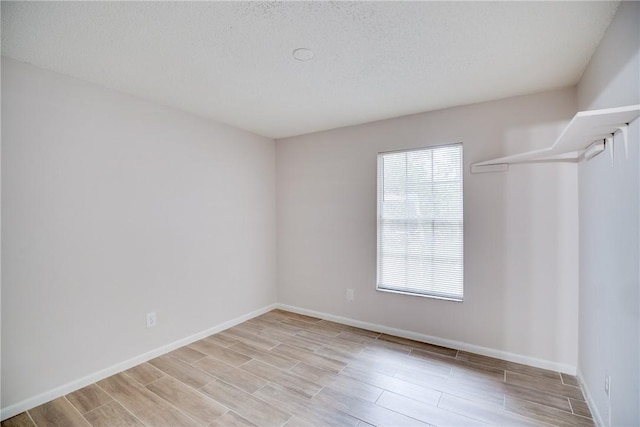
595,414
72,386
458,345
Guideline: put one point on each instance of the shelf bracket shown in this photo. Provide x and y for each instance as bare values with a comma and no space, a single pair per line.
624,130
608,144
609,141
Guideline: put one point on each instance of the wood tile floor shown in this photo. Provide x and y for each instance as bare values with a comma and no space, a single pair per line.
287,369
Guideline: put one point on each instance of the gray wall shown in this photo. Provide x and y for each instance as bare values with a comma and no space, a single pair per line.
610,233
113,207
521,229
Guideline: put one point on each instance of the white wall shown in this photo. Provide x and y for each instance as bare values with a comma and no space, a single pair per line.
113,207
609,333
521,228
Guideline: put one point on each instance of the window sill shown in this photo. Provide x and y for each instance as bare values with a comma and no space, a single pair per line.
415,294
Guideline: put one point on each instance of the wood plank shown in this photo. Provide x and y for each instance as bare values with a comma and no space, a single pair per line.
20,420
424,412
318,376
296,421
461,367
297,354
547,386
532,395
265,322
339,355
465,370
468,390
182,371
88,398
296,316
393,384
490,415
354,387
491,386
350,329
375,366
341,383
303,343
276,334
545,414
301,406
245,404
112,414
188,400
432,348
581,408
274,315
436,357
570,380
277,359
363,410
510,366
284,379
337,342
325,330
389,350
351,337
144,373
248,338
187,354
142,403
235,376
246,327
220,340
231,419
412,364
384,357
58,412
276,324
216,351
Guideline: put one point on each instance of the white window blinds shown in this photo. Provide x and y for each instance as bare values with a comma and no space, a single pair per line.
420,222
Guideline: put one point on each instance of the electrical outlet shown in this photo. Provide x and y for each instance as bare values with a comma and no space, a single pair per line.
349,294
151,319
607,385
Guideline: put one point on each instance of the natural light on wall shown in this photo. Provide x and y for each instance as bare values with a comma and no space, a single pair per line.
420,222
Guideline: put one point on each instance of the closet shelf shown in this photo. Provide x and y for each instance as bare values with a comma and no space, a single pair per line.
585,128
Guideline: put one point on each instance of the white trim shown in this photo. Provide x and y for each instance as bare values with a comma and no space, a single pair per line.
597,418
458,345
428,147
72,386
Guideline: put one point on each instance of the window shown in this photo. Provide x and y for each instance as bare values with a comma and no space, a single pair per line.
420,222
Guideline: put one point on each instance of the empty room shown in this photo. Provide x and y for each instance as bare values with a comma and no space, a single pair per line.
320,213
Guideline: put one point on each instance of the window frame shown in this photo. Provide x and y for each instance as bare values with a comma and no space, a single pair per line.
379,187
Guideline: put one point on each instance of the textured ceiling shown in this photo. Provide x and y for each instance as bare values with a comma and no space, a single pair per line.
232,61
